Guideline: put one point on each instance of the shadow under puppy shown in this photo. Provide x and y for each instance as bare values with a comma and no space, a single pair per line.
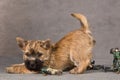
73,51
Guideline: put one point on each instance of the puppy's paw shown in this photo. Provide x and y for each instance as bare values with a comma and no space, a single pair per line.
15,68
52,71
18,69
74,71
9,70
57,72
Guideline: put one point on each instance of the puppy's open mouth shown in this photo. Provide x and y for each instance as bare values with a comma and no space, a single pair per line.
35,65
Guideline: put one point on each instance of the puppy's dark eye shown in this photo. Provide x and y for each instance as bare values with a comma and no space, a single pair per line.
39,54
27,54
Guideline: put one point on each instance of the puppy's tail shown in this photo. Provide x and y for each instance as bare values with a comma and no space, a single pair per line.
83,21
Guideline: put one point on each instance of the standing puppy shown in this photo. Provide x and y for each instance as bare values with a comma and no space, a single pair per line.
73,51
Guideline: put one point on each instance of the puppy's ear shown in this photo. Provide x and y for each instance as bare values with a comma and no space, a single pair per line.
21,42
46,44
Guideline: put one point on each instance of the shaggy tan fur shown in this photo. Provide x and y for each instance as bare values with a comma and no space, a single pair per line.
73,50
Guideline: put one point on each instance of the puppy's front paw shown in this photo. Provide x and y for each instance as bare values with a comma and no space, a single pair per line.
56,72
73,71
51,71
18,69
9,70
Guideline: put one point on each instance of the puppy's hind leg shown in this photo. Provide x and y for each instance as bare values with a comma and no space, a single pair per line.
81,63
82,66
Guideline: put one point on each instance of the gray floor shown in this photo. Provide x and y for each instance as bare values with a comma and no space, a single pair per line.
65,76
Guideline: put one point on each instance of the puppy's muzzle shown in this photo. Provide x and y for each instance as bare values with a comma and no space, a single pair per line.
34,65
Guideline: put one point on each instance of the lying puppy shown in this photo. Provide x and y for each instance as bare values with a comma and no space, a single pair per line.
34,53
73,51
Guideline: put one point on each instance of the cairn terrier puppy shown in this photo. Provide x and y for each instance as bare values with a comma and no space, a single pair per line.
73,51
35,53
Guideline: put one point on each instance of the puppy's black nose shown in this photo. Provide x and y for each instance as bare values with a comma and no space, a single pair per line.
35,65
32,65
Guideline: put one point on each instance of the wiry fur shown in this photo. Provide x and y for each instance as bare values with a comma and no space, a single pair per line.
73,50
34,53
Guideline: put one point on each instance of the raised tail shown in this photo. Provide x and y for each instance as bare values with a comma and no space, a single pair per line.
83,21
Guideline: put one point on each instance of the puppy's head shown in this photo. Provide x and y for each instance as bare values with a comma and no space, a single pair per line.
35,52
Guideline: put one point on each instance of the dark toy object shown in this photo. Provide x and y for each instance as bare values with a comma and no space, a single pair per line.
100,67
95,67
116,59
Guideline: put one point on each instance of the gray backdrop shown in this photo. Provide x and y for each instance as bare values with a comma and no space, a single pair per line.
43,19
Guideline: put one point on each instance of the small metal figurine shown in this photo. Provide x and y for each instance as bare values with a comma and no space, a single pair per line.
116,60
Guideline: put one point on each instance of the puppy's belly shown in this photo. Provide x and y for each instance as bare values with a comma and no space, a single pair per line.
61,63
